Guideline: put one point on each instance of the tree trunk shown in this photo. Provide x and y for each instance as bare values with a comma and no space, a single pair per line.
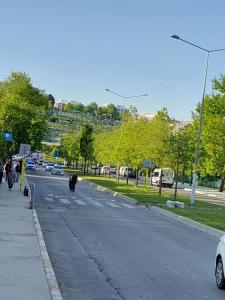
191,174
117,175
183,174
137,177
222,184
160,184
175,191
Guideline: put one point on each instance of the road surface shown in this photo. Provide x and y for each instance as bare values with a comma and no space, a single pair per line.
104,248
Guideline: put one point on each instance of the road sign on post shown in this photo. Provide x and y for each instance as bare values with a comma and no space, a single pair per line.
24,149
57,153
148,163
7,136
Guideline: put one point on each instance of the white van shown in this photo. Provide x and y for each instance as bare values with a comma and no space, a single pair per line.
167,177
125,170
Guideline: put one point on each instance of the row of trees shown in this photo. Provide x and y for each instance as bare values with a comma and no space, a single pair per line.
109,111
164,141
23,112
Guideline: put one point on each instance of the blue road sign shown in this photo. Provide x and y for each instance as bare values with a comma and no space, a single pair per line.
7,136
57,153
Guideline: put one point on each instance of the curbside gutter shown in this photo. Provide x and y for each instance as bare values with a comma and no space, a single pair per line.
194,224
50,274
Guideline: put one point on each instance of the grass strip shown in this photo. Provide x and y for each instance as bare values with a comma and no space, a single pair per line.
203,212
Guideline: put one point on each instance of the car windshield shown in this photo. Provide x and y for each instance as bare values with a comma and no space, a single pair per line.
58,167
29,162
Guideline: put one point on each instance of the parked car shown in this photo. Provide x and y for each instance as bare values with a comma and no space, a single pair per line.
164,174
30,165
124,171
49,166
44,163
104,170
57,170
220,261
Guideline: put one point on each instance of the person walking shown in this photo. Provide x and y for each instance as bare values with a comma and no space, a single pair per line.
11,178
18,172
72,182
8,165
1,173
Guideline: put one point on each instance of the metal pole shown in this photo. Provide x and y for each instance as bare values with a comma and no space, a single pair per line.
32,204
199,136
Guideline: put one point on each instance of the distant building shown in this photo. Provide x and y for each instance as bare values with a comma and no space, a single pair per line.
148,116
61,103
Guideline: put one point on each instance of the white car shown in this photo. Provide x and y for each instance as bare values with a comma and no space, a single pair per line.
220,261
57,170
49,166
30,165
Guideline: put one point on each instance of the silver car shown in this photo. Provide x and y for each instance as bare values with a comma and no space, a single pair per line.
220,261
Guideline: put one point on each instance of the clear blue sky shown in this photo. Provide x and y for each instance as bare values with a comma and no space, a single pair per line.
74,49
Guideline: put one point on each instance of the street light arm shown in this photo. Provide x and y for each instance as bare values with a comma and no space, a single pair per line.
216,50
177,37
115,93
144,95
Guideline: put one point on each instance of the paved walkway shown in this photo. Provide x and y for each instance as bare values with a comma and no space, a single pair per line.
22,275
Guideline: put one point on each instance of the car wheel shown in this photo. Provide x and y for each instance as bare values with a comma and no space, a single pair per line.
220,280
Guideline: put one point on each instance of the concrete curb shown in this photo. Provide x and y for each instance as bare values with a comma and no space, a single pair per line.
50,274
205,228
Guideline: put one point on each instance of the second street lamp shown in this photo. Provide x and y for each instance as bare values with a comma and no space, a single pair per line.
177,37
125,97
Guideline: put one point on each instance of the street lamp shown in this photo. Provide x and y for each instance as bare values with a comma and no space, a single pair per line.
125,97
177,37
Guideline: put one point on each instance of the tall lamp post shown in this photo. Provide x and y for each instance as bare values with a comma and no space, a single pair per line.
201,113
125,98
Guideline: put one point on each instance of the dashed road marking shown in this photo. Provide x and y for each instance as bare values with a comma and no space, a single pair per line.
95,203
48,199
80,202
64,201
112,204
127,205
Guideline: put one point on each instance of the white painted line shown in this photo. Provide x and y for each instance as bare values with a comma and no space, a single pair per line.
49,195
50,275
95,203
89,198
127,205
112,204
65,201
49,199
80,202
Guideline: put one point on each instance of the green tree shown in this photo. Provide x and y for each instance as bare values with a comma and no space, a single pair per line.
91,108
24,110
86,145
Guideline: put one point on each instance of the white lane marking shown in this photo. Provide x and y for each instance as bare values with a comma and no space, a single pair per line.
49,195
64,201
95,203
89,198
80,202
49,199
127,205
112,204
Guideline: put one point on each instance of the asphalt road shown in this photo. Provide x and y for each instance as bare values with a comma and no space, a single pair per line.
104,248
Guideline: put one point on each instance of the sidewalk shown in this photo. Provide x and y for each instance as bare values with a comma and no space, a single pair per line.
22,275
